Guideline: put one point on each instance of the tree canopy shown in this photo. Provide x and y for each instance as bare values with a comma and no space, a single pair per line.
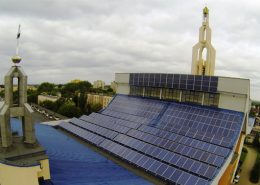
49,105
47,88
70,110
69,89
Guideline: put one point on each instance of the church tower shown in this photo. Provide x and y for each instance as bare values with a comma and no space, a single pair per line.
23,160
203,53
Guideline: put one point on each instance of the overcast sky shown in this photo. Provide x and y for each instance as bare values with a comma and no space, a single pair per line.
63,40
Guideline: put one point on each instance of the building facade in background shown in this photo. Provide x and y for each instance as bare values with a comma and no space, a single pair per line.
99,84
43,97
103,100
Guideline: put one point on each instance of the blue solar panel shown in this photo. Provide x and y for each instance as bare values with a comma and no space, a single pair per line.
175,81
183,144
120,127
94,128
88,136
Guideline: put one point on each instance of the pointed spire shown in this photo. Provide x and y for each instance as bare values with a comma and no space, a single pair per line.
206,10
205,14
16,58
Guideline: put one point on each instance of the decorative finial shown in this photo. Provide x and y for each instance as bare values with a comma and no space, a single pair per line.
205,14
16,58
206,10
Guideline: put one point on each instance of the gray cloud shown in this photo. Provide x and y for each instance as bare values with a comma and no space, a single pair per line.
62,40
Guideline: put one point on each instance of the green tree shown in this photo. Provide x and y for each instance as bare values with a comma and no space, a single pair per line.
32,96
75,99
47,88
110,90
82,102
49,105
70,110
255,173
60,102
2,94
71,89
93,108
15,97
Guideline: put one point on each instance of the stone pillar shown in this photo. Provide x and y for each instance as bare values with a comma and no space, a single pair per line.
29,136
6,132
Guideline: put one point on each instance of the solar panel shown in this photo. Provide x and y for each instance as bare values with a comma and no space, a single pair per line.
180,143
175,81
88,136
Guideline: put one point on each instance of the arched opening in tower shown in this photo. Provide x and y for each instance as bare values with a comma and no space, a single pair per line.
204,34
15,92
204,54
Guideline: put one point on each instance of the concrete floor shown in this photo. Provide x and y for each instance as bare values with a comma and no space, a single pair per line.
247,167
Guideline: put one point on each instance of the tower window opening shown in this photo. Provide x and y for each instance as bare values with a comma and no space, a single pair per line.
204,54
204,35
15,92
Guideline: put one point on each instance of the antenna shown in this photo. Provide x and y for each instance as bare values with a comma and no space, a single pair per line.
16,59
17,39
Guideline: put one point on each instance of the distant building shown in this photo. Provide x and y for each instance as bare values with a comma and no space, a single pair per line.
254,110
31,87
257,121
256,129
113,86
15,87
103,100
44,97
99,84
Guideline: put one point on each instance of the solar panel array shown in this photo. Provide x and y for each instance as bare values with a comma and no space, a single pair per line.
179,143
175,81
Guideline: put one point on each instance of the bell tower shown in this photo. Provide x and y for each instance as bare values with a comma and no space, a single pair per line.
203,53
22,109
22,159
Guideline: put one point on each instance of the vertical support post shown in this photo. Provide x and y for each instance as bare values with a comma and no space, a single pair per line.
29,125
6,133
9,90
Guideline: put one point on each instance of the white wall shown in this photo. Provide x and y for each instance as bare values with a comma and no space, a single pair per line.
233,85
233,101
122,80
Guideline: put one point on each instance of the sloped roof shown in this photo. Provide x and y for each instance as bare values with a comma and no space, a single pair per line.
73,163
179,143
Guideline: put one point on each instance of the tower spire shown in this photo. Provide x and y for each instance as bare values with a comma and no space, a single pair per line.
16,58
17,39
203,53
205,14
